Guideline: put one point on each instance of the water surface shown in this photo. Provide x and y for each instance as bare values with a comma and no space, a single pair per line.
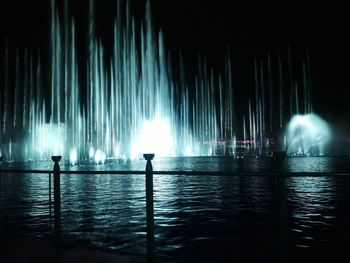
200,217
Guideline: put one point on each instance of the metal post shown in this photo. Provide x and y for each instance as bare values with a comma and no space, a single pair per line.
57,195
279,156
0,176
149,207
282,222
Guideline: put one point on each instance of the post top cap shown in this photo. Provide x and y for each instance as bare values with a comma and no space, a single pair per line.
148,156
56,158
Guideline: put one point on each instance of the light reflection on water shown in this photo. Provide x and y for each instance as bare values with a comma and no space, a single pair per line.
317,164
192,213
312,204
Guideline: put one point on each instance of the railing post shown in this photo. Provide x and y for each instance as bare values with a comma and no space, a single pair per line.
281,196
149,207
57,196
0,176
278,157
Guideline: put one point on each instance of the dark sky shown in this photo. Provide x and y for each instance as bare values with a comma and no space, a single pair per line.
250,29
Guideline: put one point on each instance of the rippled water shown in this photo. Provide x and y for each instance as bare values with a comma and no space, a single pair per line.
217,218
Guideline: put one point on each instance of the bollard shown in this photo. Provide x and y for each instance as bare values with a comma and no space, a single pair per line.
57,196
149,207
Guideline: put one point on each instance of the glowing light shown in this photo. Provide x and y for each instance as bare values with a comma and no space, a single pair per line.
155,137
100,157
188,151
73,157
116,151
307,134
234,145
91,153
49,139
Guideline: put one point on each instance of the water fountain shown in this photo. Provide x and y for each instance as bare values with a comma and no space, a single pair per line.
132,102
307,135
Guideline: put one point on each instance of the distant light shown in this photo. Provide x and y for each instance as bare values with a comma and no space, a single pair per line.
91,152
116,151
73,157
188,151
59,149
155,137
49,139
307,134
100,157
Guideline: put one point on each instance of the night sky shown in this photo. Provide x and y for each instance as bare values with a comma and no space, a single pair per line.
250,30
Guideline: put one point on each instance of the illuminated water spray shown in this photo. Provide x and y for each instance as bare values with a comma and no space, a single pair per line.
132,101
307,134
129,105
